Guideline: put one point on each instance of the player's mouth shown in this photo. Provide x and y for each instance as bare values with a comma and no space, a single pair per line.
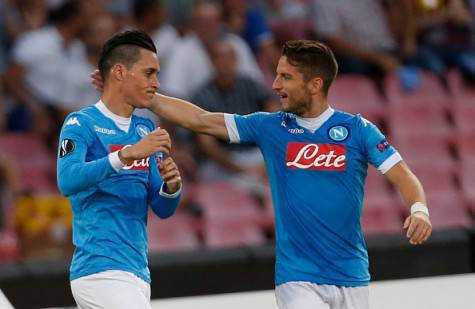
283,96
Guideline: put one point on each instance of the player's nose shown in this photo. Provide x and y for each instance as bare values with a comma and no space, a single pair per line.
155,83
276,85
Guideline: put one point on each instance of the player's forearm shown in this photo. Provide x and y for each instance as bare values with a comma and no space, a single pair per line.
164,206
180,112
75,177
407,184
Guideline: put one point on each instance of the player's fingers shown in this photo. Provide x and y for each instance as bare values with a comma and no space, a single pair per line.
168,175
418,233
427,233
169,164
411,228
175,181
171,175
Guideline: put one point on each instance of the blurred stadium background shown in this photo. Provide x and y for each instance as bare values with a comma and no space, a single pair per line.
415,78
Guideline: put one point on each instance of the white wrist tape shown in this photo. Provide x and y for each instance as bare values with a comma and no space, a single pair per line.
419,207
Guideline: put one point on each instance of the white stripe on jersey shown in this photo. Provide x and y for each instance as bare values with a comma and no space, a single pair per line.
389,162
232,128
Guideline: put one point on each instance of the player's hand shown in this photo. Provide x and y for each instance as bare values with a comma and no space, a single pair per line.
97,80
156,141
418,228
170,175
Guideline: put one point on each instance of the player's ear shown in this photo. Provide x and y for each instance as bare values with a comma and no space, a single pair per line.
315,85
118,71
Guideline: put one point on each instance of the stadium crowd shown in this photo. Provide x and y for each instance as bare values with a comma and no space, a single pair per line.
407,65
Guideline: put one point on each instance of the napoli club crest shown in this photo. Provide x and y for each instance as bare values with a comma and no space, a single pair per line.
142,130
338,133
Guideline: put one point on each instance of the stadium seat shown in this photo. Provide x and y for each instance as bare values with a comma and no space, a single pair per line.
30,158
224,199
436,180
448,210
426,153
9,246
462,92
418,121
464,117
467,182
230,232
381,220
175,233
430,92
466,149
357,94
377,190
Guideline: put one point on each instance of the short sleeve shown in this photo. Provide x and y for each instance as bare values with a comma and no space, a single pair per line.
379,152
245,129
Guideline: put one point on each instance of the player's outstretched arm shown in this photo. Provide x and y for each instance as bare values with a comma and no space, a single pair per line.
418,225
190,116
181,112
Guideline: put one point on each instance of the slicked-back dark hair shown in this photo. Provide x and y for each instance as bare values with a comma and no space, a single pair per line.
313,59
123,47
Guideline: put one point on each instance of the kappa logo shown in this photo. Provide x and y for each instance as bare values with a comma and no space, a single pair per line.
73,121
296,131
283,124
104,130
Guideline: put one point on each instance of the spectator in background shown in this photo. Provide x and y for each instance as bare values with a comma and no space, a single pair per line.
151,16
276,10
288,19
25,15
36,73
190,65
77,89
249,23
444,29
359,33
230,92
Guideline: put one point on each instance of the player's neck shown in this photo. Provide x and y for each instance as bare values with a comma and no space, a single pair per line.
116,103
316,108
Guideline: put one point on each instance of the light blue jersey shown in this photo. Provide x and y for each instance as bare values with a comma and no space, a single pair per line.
109,207
317,182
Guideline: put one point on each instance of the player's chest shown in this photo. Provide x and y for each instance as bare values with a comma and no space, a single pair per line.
328,149
110,139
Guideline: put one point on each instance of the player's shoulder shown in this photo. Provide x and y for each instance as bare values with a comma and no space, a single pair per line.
81,118
351,120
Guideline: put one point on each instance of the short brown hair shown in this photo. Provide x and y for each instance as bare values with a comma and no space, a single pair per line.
313,59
